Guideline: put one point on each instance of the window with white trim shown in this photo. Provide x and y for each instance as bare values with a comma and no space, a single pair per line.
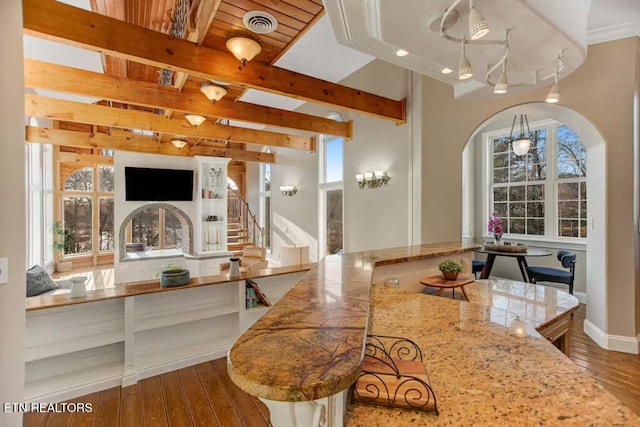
330,192
542,193
265,201
40,203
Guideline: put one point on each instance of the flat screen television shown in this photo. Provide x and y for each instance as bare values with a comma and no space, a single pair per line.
149,184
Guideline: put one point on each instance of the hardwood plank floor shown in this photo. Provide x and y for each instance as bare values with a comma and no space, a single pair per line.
618,373
200,395
203,395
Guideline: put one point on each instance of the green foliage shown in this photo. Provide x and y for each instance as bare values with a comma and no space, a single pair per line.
450,266
63,238
169,267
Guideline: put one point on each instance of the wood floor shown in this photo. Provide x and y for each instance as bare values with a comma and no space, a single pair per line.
617,372
203,395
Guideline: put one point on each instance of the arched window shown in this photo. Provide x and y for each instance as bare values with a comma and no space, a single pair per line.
87,202
154,228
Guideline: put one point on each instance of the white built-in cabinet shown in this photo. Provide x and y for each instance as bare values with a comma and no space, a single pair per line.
78,349
211,204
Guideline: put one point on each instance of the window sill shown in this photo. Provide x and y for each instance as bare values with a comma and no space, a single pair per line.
575,245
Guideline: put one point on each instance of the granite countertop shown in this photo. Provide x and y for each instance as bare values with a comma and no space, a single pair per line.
123,290
310,344
480,374
536,305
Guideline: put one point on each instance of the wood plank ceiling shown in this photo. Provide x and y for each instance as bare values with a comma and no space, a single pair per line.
209,24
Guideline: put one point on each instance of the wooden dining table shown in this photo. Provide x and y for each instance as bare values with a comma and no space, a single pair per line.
521,257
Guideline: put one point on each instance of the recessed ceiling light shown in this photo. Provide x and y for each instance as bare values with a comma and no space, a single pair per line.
446,70
401,52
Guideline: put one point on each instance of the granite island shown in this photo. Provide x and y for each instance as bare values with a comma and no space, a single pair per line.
301,357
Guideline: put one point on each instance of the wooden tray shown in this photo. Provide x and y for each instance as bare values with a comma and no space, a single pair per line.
516,249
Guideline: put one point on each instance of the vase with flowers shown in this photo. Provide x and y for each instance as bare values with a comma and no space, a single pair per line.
495,226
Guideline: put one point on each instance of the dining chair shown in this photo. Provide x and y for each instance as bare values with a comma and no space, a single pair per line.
548,274
476,266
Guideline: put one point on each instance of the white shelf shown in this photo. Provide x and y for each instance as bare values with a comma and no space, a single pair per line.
171,344
188,314
60,377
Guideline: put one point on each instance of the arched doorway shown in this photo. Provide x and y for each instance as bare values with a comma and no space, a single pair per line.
594,275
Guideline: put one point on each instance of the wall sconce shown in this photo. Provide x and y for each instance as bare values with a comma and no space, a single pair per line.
179,143
243,48
288,190
375,179
213,92
195,120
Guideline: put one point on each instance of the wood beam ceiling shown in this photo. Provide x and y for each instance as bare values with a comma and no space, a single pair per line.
56,109
58,21
84,159
42,75
139,144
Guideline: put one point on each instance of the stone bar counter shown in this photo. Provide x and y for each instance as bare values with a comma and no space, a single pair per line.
302,356
482,375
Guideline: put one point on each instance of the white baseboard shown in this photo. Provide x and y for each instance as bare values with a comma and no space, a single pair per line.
73,392
582,296
612,342
181,363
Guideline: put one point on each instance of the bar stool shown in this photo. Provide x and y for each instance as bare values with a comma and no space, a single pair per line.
547,274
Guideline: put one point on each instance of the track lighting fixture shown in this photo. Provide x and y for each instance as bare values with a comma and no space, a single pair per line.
464,68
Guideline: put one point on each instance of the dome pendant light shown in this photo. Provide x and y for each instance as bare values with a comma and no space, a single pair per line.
464,68
195,120
522,143
243,48
212,92
179,143
478,26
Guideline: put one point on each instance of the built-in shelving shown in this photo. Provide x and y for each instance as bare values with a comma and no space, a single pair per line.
211,202
78,349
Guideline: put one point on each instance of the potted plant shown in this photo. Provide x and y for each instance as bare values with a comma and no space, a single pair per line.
450,269
173,276
62,241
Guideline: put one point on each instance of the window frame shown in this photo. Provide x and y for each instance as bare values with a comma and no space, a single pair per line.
95,195
263,195
551,181
324,187
40,182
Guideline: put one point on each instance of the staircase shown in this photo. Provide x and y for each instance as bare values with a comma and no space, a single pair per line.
242,227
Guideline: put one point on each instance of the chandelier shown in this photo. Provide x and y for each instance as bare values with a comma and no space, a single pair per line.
522,142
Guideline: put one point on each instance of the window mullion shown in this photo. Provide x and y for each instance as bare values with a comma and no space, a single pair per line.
551,188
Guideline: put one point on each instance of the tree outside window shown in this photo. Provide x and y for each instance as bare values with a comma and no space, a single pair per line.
85,205
528,199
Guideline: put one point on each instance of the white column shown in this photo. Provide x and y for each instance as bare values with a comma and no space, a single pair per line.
12,209
325,412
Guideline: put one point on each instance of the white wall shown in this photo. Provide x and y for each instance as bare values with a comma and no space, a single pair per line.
376,145
294,220
12,209
143,270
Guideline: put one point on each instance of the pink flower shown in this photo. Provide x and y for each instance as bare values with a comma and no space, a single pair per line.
495,223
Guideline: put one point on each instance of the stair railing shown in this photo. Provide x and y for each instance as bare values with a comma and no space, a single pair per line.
239,208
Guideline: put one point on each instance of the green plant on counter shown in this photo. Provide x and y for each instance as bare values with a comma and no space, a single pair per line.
169,267
450,266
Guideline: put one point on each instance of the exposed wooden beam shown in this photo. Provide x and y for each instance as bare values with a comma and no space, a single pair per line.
138,144
58,21
67,157
200,18
43,75
57,109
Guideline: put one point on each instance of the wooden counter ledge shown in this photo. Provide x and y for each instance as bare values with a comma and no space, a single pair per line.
152,286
